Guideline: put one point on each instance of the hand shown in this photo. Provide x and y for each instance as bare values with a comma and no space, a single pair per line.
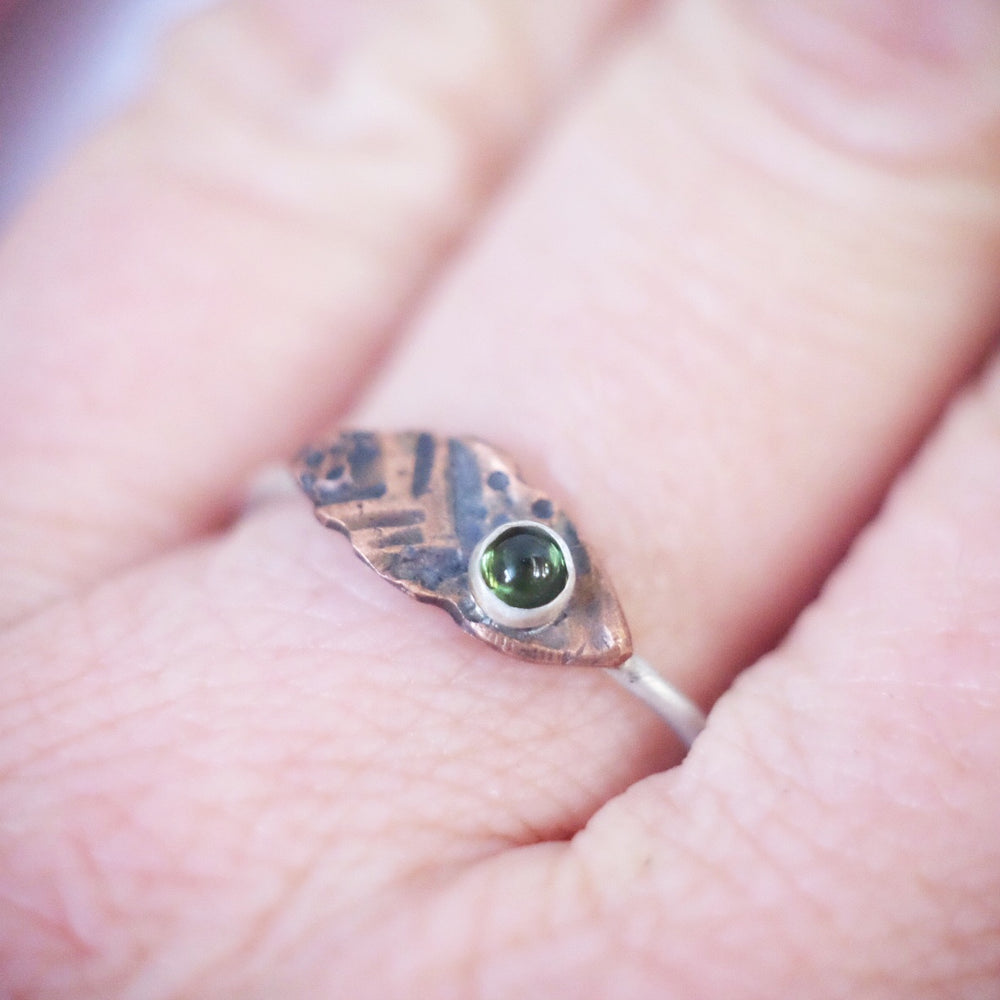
713,272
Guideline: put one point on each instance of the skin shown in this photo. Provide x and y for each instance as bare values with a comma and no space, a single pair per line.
724,276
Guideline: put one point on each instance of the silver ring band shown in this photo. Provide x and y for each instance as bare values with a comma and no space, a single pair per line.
681,714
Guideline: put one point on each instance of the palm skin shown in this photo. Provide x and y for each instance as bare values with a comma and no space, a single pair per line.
715,273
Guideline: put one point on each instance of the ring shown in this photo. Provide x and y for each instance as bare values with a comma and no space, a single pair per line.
449,521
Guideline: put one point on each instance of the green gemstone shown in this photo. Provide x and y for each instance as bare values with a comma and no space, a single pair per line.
524,567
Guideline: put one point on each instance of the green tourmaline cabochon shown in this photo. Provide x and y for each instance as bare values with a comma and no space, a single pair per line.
524,567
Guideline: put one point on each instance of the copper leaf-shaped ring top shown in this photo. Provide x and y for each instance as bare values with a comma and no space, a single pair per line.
450,521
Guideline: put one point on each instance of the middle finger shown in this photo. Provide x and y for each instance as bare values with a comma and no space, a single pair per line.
722,305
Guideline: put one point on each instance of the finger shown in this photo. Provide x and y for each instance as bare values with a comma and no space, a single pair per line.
834,832
220,270
721,309
205,756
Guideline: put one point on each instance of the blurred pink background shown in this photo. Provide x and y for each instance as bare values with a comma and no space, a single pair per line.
65,65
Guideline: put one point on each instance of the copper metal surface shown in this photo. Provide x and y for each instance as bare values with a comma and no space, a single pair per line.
415,505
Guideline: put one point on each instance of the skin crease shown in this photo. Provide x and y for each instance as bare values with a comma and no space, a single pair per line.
724,277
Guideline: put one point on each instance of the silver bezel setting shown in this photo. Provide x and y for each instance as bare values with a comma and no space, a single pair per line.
500,612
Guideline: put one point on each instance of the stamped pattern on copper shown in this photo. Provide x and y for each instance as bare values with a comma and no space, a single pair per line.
416,506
